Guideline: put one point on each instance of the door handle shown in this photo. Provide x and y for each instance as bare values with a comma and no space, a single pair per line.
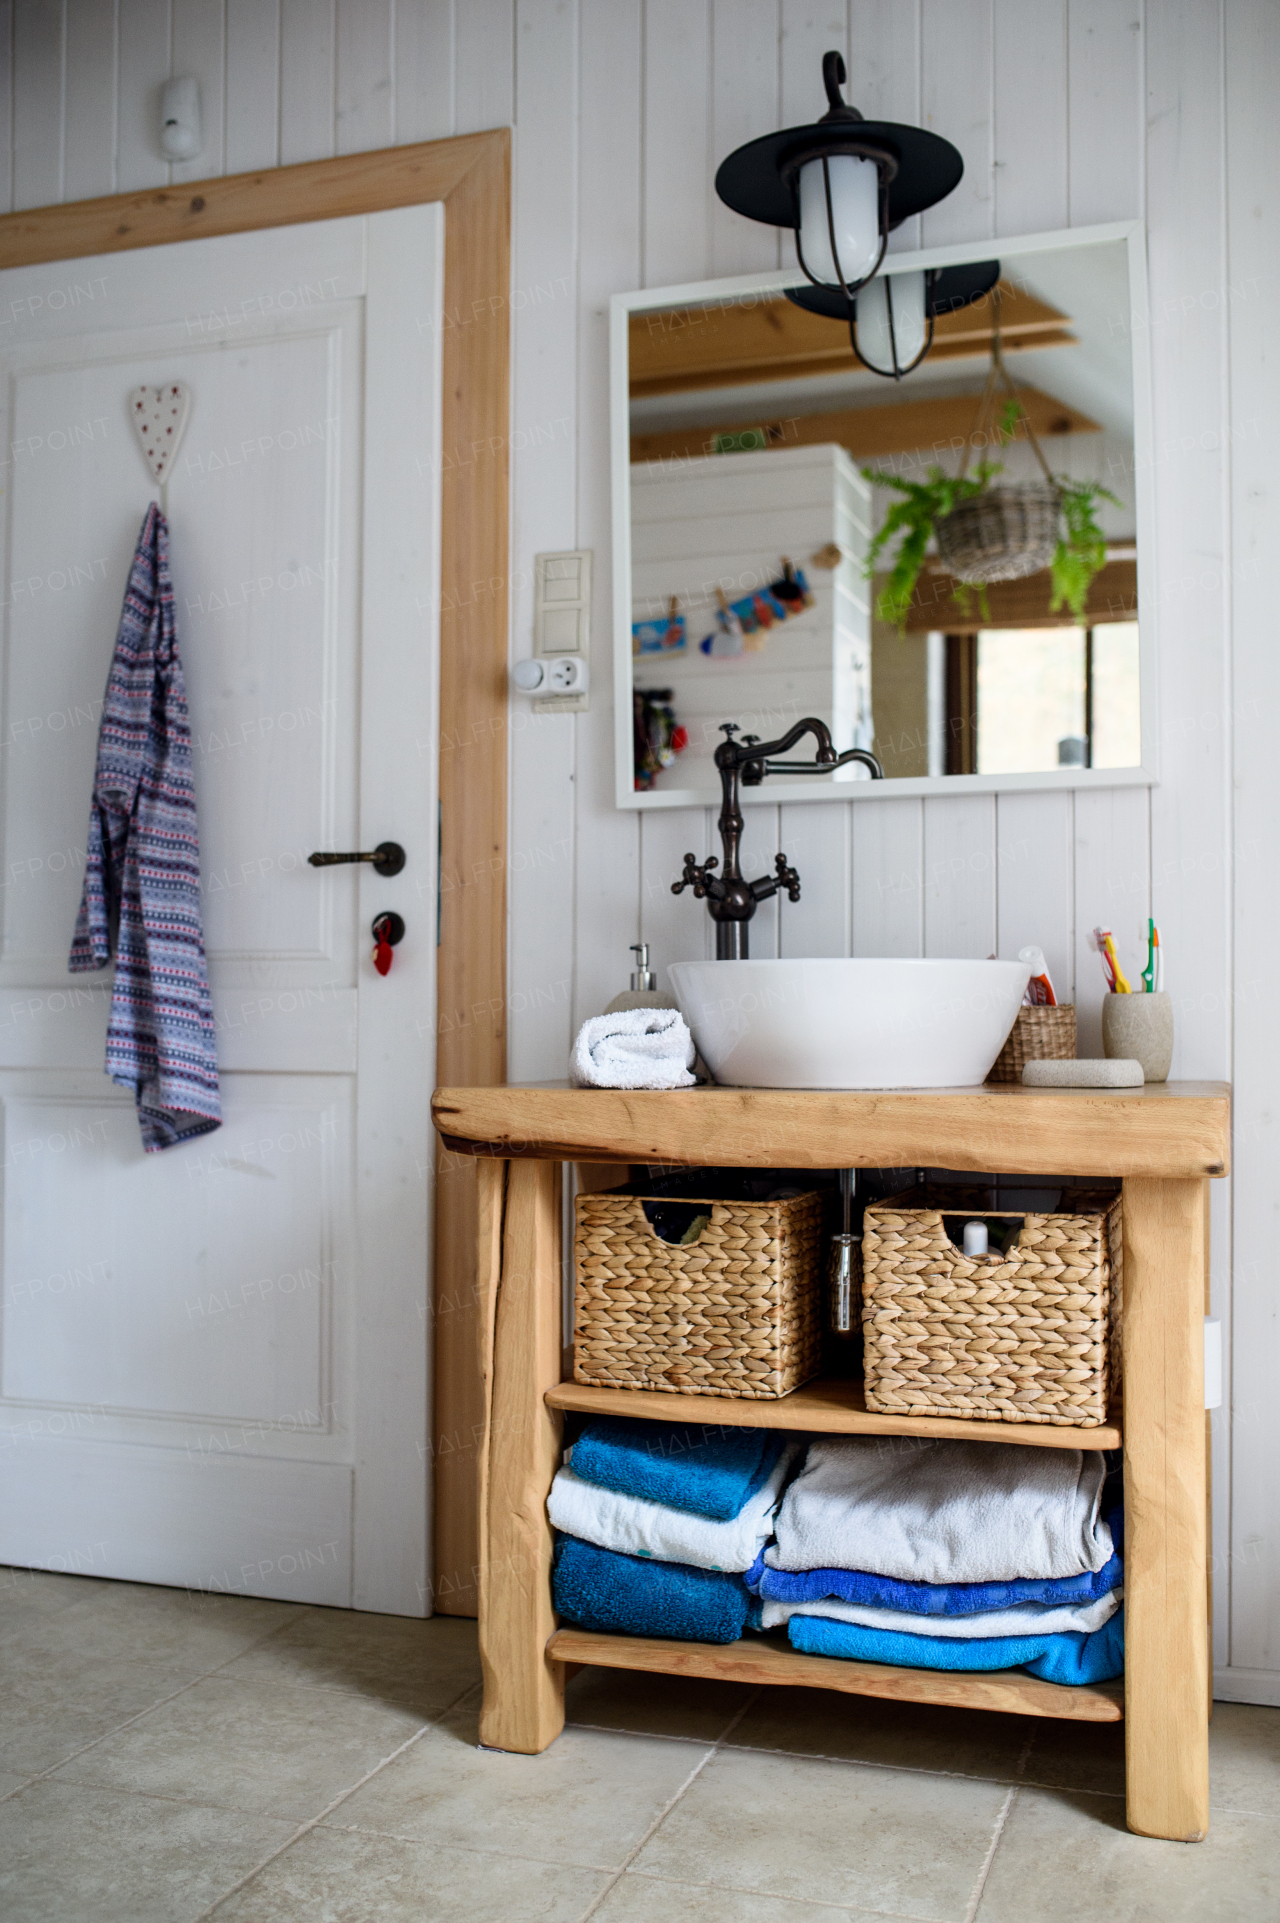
387,858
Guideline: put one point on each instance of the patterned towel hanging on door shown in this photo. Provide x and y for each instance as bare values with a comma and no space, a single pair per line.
142,873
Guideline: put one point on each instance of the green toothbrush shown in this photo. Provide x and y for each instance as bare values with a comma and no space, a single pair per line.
1149,972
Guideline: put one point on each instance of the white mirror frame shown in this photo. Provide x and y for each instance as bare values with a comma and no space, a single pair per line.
814,788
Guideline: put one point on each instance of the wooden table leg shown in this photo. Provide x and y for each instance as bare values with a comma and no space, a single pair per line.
520,1324
1166,1634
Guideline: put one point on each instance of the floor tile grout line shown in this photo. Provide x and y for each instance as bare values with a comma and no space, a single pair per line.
161,1702
667,1807
984,1872
775,1896
336,1802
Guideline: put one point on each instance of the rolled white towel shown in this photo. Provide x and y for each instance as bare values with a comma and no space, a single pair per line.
1022,1619
640,1528
635,1048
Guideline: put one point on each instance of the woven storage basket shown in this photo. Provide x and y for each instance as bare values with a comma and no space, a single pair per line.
1001,534
736,1313
1028,1336
1037,1035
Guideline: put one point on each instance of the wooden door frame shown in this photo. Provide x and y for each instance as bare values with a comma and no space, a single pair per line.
471,175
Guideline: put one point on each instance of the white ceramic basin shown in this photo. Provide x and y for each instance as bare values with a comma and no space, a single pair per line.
849,1024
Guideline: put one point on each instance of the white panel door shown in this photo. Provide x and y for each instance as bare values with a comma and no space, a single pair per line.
213,1360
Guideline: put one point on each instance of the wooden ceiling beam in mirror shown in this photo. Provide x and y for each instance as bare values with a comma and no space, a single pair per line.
1113,596
932,426
762,339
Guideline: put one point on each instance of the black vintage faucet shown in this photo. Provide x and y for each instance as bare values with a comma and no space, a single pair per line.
731,900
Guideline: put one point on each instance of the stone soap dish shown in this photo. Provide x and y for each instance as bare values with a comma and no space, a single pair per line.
1117,1074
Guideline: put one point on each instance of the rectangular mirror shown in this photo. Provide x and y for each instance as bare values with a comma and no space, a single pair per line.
756,455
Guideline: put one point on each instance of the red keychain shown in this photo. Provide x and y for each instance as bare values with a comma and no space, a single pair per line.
387,931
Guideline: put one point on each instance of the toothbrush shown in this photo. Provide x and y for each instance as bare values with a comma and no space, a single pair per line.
1159,970
1149,972
1122,985
1098,940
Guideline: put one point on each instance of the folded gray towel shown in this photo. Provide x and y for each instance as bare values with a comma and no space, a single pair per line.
943,1512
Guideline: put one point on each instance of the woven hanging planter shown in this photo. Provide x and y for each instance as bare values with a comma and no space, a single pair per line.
1001,534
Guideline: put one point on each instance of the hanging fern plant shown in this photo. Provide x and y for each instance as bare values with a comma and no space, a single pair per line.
1079,554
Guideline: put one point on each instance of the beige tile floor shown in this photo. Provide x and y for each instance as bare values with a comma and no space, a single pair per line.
166,1757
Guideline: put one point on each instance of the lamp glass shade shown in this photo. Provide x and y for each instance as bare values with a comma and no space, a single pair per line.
855,216
876,344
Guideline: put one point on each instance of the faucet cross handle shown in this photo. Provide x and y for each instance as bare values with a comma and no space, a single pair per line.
698,876
787,878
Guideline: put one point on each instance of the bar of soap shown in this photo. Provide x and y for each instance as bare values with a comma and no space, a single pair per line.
1117,1074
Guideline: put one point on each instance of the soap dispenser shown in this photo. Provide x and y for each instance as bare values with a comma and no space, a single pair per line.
644,991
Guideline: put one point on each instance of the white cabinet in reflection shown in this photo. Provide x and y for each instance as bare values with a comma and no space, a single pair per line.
725,522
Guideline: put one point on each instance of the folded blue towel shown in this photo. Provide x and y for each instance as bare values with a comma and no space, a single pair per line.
604,1590
1069,1657
936,1598
711,1472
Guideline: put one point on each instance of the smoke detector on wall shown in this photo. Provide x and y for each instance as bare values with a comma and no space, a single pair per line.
181,133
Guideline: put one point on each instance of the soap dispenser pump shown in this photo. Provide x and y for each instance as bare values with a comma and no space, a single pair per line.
644,991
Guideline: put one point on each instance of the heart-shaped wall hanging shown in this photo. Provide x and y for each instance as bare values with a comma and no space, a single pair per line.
159,416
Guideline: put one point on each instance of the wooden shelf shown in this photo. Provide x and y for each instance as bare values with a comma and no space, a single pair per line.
827,1407
757,1660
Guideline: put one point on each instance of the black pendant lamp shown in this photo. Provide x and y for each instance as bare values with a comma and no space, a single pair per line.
843,184
891,320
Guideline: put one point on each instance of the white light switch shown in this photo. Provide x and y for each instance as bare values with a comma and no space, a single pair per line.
562,603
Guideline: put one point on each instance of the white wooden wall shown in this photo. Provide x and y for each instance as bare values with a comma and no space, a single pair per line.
1066,111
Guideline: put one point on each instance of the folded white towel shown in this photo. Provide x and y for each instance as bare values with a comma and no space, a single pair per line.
639,1528
1023,1619
636,1048
950,1512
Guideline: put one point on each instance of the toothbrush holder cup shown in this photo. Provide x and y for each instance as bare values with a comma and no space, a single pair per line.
1140,1028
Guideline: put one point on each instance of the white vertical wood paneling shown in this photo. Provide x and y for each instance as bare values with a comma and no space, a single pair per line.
142,43
1253,240
1034,882
1189,848
1045,98
365,113
1030,115
484,80
544,513
956,99
810,28
677,927
89,143
744,103
884,76
37,103
1112,890
1105,114
816,838
424,66
197,29
888,877
761,844
307,30
678,157
610,138
960,877
252,132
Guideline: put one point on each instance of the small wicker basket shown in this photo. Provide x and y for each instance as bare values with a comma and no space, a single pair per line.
1037,1035
1001,534
735,1313
1031,1335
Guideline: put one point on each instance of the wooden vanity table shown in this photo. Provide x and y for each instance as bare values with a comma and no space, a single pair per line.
1165,1141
